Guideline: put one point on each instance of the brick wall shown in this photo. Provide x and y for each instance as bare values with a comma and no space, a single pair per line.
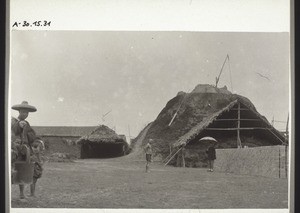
268,161
61,145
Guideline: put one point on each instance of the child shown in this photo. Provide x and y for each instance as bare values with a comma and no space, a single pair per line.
37,147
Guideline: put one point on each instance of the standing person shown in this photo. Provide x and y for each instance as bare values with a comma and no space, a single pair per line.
148,151
211,156
25,138
37,147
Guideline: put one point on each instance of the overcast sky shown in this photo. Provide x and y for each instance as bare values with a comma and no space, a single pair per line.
75,77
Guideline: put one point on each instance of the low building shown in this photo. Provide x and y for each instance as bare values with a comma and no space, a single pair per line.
61,139
102,142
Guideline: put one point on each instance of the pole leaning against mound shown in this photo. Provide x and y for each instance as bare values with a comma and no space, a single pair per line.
173,156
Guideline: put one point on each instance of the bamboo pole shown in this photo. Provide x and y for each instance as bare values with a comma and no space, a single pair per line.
286,158
178,109
239,145
218,78
287,128
169,154
283,142
279,163
166,157
183,159
241,128
173,156
172,119
242,119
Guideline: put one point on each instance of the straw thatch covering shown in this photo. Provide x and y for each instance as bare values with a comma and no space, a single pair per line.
195,112
211,118
103,142
102,134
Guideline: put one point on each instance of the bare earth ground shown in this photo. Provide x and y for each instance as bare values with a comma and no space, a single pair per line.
121,183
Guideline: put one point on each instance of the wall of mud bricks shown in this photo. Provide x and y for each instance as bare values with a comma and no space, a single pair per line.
267,161
57,144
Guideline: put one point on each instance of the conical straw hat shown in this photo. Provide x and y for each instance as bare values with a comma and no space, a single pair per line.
25,106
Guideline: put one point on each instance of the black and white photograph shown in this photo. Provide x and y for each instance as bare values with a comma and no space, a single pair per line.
148,119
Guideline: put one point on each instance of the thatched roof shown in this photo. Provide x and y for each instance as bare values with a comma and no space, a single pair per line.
102,134
190,135
195,112
205,122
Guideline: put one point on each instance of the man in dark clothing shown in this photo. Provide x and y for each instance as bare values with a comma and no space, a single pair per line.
211,156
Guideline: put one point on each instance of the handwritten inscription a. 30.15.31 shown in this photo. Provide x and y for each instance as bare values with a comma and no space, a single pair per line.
32,24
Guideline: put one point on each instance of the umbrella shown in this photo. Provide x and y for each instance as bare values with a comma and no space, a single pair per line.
208,139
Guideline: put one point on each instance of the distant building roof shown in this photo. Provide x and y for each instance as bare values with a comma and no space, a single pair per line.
72,131
102,134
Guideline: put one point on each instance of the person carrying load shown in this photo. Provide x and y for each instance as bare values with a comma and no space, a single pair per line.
26,149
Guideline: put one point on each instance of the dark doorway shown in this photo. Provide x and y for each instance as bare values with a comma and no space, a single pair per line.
102,150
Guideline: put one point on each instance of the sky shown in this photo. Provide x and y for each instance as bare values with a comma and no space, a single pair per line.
74,78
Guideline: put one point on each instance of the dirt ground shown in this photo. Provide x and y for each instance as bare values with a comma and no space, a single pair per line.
123,183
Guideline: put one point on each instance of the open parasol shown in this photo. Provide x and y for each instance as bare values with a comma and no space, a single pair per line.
208,139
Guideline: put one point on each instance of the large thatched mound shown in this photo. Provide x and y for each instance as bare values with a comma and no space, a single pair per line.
193,109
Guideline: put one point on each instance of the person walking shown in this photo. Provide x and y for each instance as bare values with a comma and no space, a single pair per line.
148,151
211,156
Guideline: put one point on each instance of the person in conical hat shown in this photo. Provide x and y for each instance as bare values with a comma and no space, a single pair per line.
27,136
21,127
24,106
